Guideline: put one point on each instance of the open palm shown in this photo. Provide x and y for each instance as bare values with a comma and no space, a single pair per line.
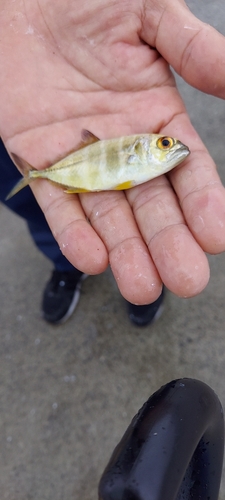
94,65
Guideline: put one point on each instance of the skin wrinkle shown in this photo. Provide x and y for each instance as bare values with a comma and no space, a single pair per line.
176,115
199,190
186,56
68,227
47,25
55,203
73,223
77,228
176,175
125,241
101,220
183,62
88,49
148,199
163,230
183,57
148,192
102,62
154,41
112,203
185,280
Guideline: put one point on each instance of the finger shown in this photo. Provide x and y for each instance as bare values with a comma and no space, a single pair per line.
180,261
199,189
132,266
76,238
194,49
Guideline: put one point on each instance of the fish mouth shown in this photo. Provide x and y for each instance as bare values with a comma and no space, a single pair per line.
179,154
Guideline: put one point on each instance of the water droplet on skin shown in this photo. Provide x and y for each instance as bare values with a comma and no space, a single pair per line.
198,224
55,406
37,341
186,27
9,439
30,30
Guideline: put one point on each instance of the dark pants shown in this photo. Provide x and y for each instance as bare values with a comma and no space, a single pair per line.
24,204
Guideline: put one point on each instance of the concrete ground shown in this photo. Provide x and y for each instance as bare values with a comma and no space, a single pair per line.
67,393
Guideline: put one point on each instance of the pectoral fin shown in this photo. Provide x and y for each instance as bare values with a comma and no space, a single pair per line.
124,185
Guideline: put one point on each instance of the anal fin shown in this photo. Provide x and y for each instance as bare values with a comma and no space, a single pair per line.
76,190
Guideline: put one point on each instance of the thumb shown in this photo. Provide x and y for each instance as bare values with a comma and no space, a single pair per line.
194,49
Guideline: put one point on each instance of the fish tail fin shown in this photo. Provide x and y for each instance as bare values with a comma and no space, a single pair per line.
25,169
20,185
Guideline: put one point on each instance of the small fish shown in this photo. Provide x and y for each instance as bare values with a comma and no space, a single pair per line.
111,164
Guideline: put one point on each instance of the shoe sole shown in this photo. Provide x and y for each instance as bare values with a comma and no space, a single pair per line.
74,302
159,313
155,318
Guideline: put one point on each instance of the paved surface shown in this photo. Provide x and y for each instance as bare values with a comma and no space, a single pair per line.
68,393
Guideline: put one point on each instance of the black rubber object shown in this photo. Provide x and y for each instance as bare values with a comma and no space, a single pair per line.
172,450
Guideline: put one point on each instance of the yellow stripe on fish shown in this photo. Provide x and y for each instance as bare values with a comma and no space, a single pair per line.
111,164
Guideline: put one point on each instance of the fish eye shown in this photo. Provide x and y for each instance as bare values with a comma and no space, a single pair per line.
165,142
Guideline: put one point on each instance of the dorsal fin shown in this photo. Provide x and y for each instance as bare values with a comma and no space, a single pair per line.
87,138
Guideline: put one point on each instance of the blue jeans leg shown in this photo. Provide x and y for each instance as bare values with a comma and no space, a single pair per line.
25,205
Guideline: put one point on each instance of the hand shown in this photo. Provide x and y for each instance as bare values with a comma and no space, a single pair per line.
103,66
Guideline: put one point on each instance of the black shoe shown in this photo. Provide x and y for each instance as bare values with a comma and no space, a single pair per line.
61,295
145,315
